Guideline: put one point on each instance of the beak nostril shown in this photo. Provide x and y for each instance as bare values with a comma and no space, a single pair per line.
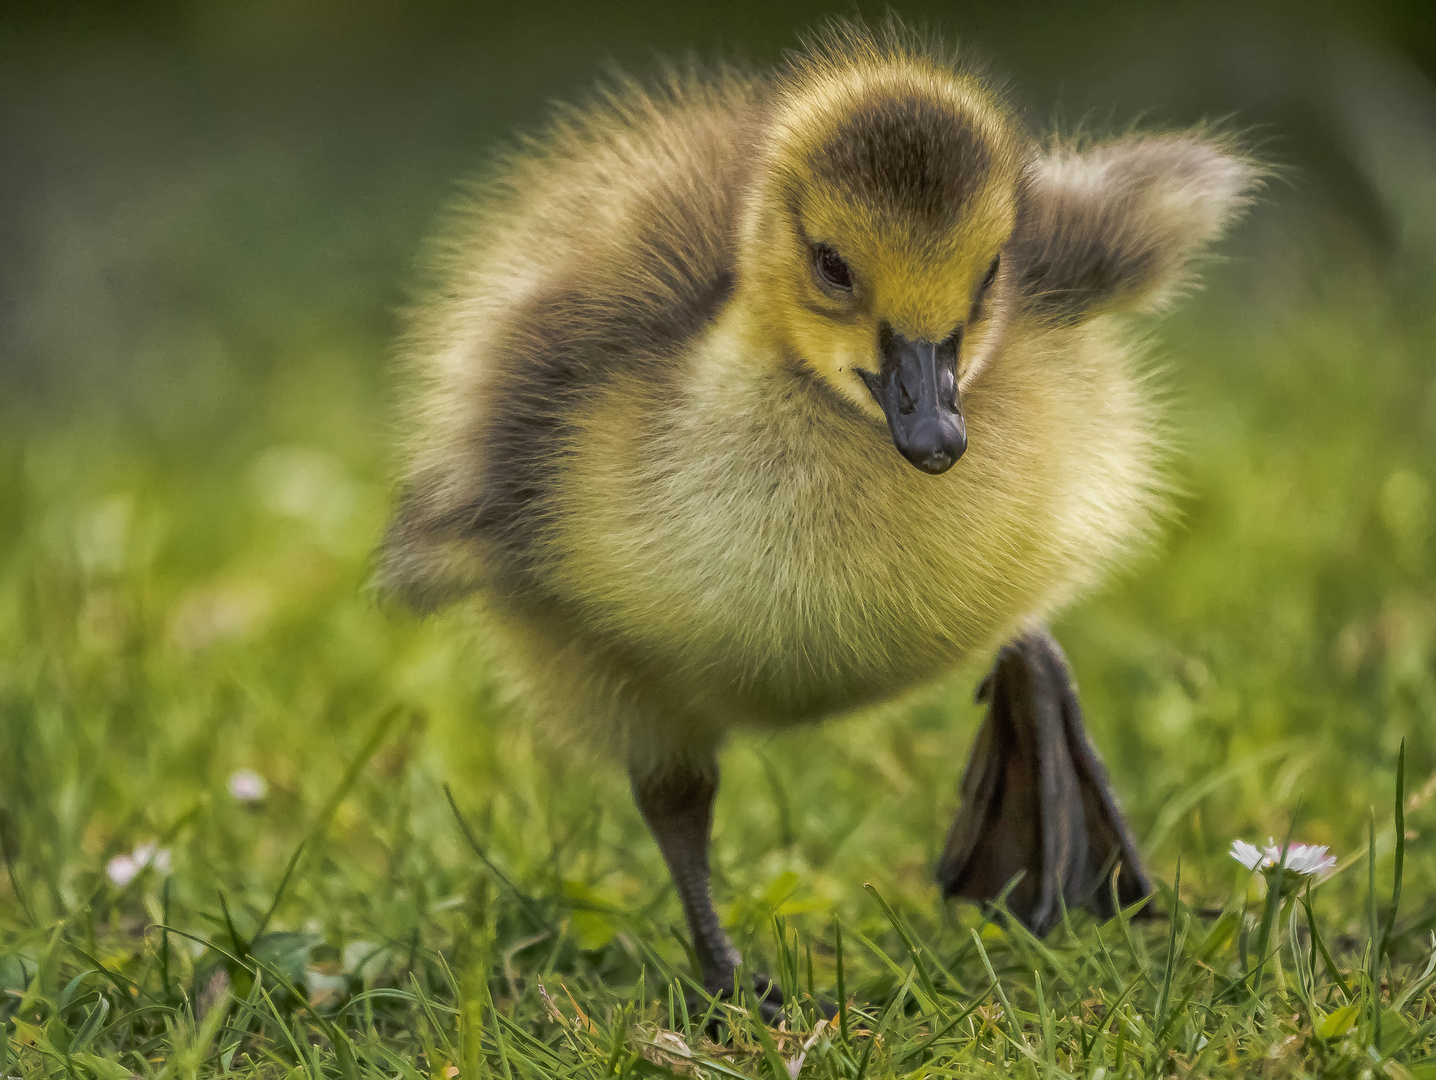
934,461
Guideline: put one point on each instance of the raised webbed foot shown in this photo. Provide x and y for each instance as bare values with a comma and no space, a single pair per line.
1036,805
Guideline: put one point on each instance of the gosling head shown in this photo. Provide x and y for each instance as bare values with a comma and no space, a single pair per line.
873,236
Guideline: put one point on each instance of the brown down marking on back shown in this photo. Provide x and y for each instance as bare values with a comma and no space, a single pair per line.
624,309
565,349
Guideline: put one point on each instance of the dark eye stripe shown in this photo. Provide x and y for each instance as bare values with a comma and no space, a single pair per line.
831,267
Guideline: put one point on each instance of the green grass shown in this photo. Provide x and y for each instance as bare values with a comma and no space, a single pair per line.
182,596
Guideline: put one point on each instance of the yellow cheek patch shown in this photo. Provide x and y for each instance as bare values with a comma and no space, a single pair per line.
834,351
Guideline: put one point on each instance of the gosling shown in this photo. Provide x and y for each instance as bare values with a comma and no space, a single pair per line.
753,399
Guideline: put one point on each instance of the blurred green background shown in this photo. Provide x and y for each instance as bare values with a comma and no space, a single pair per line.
209,213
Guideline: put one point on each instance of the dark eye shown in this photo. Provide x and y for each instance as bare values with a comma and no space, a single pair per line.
831,267
987,281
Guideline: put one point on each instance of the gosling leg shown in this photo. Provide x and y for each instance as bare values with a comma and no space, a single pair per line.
677,803
1036,800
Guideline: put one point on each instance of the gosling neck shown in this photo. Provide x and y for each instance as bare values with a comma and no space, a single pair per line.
746,377
749,348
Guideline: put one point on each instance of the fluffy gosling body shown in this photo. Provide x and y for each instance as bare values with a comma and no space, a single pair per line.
693,392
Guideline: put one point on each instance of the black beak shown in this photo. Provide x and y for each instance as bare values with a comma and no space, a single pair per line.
917,389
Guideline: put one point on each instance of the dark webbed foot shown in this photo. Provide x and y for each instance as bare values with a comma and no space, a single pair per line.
1036,801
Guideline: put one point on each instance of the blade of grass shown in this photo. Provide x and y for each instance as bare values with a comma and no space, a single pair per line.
1400,820
121,982
525,901
371,745
165,939
1374,974
1106,1019
1165,995
241,946
876,1035
709,1064
1421,983
1007,1012
907,939
1304,962
774,1060
1320,943
781,805
922,1047
812,984
928,1005
1049,1031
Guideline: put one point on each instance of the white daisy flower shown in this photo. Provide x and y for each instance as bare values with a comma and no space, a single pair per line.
1249,855
123,869
1300,861
247,786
